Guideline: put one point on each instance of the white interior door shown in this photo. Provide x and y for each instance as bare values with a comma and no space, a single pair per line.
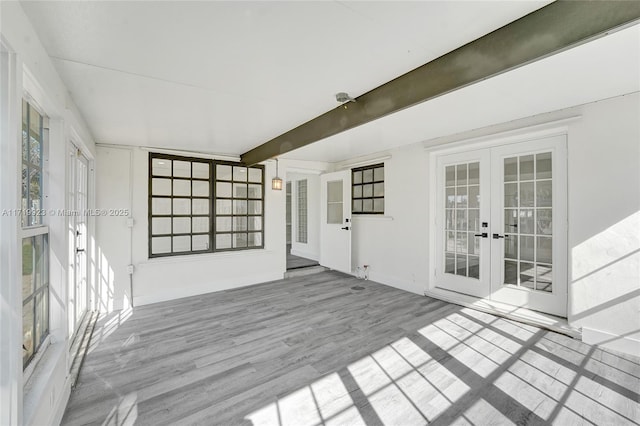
501,224
335,222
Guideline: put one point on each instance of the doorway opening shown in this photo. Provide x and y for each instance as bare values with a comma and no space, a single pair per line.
301,237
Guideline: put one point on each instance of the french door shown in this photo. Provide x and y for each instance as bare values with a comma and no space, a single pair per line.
501,224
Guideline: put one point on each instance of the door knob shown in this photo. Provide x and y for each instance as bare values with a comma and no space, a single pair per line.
346,228
79,250
496,236
483,235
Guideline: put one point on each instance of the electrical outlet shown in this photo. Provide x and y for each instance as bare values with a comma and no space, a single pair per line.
130,222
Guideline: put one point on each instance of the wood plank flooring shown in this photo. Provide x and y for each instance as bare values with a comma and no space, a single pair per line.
312,351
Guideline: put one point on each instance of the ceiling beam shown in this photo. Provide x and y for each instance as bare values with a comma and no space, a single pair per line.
544,32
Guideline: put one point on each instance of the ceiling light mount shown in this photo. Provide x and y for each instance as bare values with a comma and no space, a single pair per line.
343,97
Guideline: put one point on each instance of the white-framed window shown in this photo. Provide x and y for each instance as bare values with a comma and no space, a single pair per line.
367,189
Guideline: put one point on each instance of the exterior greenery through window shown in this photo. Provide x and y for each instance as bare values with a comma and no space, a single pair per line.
201,206
367,190
35,250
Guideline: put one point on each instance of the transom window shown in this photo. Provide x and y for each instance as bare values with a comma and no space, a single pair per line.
200,206
368,189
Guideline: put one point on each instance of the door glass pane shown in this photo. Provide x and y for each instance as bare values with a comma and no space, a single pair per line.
510,272
474,220
334,191
511,169
543,249
526,194
544,222
334,201
474,196
474,267
543,166
450,176
511,247
543,193
527,275
450,263
334,213
526,221
526,167
474,173
27,331
461,265
461,174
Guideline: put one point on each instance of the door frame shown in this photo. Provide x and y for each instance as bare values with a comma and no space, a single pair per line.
529,134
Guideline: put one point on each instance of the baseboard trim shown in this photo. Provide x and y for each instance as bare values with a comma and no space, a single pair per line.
614,342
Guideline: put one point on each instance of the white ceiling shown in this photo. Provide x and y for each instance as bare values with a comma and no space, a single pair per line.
227,76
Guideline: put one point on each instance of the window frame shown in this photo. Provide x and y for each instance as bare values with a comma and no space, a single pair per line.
362,184
211,198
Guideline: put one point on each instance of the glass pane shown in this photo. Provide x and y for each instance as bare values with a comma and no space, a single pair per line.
544,277
25,192
199,224
182,243
223,189
474,173
450,176
200,188
526,194
160,225
160,186
255,207
378,190
181,168
200,170
160,245
223,173
367,176
461,174
160,167
223,224
28,262
526,221
200,242
474,267
461,220
239,240
200,206
255,191
35,120
181,225
357,206
28,343
255,223
255,239
367,206
461,265
378,174
240,190
510,272
527,275
449,263
544,221
543,166
160,206
378,205
223,241
334,191
41,275
357,177
357,191
25,142
473,220
511,247
511,220
449,221
255,175
474,196
511,195
35,149
239,207
240,223
367,190
543,193
544,250
461,242
474,243
461,197
450,198
450,244
223,206
40,318
526,248
35,181
240,174
181,206
526,167
511,169
182,187
334,213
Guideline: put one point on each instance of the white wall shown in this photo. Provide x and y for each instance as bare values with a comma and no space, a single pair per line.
42,399
310,249
160,279
604,219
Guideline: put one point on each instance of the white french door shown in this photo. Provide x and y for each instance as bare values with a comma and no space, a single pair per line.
501,224
335,221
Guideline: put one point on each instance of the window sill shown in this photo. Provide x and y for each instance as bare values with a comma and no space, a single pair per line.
204,256
367,217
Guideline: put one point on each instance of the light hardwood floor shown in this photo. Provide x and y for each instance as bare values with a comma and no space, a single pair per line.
311,351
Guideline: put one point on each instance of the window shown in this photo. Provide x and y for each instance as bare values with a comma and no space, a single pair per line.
35,250
200,206
368,189
302,211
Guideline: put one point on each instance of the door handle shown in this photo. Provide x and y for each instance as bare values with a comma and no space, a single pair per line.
346,228
496,236
79,250
483,235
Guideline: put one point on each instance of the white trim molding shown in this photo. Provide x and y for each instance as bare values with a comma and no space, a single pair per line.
607,340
